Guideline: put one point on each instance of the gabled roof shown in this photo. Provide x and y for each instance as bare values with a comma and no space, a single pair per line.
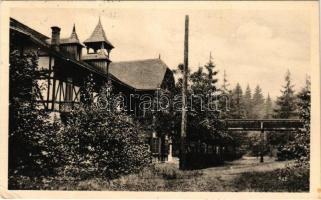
98,35
140,74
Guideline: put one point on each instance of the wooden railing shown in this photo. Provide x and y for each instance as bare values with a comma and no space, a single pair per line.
263,124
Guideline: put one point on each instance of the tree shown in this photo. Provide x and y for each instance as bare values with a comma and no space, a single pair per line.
225,98
268,108
248,102
300,146
237,103
286,103
258,103
33,134
285,108
211,73
225,86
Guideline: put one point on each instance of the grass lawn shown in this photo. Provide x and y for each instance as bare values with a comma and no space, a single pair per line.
246,174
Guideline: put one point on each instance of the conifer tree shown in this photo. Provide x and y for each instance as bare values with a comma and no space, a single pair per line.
237,103
286,103
258,103
248,102
225,86
301,144
268,108
211,73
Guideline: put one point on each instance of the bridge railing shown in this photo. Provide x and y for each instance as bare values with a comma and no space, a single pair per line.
263,124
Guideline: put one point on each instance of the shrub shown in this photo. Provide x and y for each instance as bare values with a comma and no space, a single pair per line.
32,135
102,143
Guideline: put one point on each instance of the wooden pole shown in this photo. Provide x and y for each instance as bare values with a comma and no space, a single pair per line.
182,160
262,144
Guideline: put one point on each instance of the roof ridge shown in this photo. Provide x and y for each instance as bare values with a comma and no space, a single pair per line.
141,60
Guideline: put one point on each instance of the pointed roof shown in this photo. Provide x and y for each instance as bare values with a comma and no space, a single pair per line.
98,36
73,39
74,34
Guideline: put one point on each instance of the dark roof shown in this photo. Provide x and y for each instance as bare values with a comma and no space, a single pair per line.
40,39
73,39
26,29
98,36
141,74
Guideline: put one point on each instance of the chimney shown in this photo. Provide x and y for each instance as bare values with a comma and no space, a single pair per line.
55,37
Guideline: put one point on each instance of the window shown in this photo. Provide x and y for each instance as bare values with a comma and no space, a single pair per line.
43,62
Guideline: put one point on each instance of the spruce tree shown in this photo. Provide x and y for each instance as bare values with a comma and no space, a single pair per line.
225,86
268,108
225,97
258,103
301,144
286,103
237,103
248,102
211,73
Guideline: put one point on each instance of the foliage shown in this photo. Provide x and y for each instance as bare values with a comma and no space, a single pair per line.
237,103
286,108
300,145
286,103
102,143
258,103
268,108
32,133
225,86
247,98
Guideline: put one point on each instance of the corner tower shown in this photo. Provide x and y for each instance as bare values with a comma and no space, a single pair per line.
98,49
98,41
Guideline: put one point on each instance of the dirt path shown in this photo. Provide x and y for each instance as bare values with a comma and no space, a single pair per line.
219,178
246,164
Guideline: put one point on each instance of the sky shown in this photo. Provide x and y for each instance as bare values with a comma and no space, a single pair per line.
255,43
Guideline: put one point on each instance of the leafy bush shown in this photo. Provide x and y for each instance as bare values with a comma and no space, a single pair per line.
102,143
32,134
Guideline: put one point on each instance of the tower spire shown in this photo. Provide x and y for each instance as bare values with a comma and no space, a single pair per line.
73,33
97,37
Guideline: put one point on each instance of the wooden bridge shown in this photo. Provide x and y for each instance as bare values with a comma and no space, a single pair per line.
263,125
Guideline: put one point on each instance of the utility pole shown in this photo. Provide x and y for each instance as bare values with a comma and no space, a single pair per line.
182,160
